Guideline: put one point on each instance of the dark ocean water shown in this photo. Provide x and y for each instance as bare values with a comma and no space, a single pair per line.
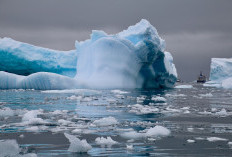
199,120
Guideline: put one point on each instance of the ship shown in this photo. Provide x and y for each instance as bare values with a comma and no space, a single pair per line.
201,78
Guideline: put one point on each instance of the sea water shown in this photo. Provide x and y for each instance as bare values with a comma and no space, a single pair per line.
181,121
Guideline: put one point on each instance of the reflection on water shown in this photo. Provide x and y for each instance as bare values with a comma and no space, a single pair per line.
191,114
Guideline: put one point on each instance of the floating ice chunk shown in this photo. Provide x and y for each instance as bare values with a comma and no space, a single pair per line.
31,115
77,145
184,86
21,136
175,95
105,141
64,122
229,143
190,141
206,95
77,131
10,148
214,139
105,121
116,91
199,138
157,131
133,135
141,99
205,113
74,97
6,112
190,129
32,129
129,147
30,118
142,109
158,99
222,112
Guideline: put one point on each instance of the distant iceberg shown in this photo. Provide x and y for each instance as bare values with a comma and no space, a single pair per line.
133,58
220,73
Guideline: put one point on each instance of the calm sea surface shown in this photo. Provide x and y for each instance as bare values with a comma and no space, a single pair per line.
199,120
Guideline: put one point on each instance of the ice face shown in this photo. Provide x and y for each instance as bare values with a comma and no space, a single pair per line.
220,73
133,58
25,59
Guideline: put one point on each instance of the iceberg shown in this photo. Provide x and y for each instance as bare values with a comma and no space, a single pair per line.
220,73
25,59
133,58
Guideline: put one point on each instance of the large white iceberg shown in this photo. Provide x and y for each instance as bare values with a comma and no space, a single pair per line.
133,58
220,73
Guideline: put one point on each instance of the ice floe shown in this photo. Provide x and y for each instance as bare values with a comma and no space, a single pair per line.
106,121
77,145
108,141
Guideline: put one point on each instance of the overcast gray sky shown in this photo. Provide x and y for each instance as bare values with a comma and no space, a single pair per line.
194,30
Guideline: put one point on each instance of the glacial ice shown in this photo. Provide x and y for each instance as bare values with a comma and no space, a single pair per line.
108,141
10,148
133,58
220,73
157,131
77,145
25,59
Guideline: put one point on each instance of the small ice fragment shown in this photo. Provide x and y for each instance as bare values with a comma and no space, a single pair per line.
214,139
105,141
199,138
129,147
159,99
9,148
190,129
190,141
116,91
229,143
157,131
21,136
105,121
32,129
206,95
222,112
77,145
184,86
77,131
74,97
